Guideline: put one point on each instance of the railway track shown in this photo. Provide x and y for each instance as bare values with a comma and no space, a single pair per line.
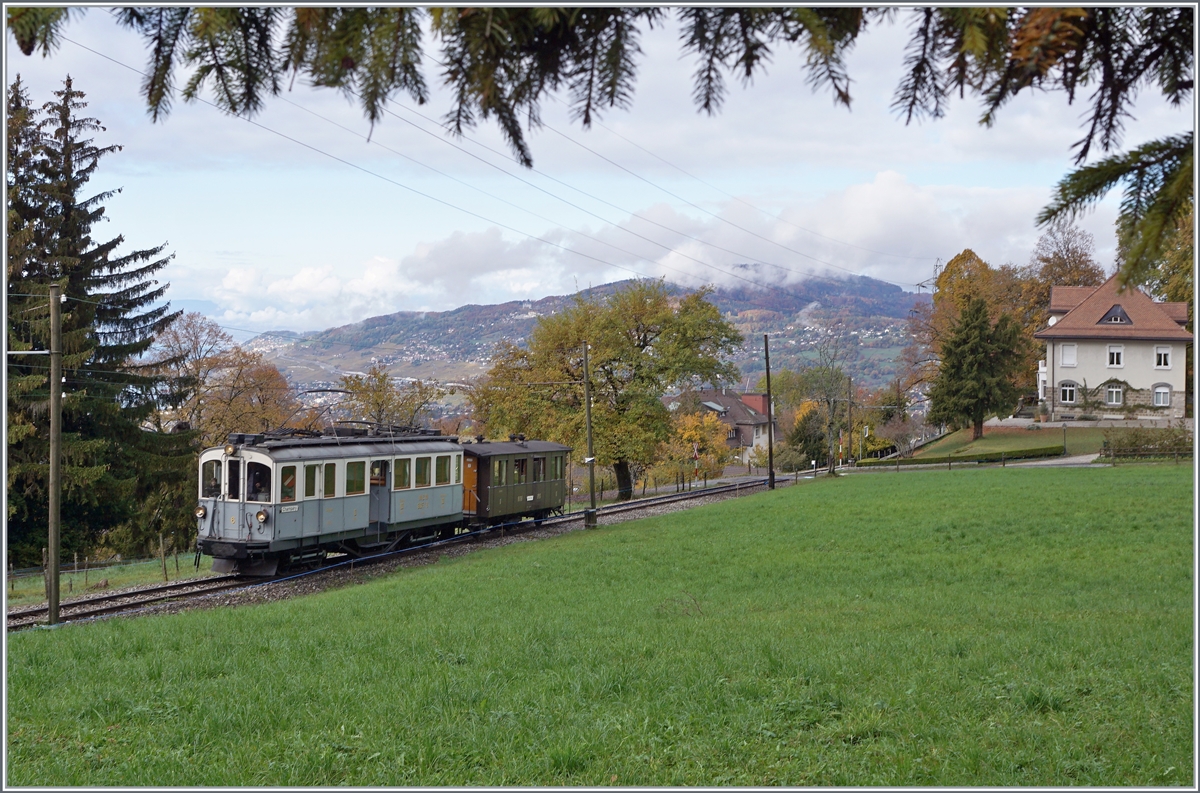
132,600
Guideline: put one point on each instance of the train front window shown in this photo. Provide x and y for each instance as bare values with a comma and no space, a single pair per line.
210,479
539,469
520,471
423,471
442,470
310,480
233,492
258,482
356,478
330,480
402,480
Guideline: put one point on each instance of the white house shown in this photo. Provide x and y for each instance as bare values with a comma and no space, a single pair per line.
1113,354
745,416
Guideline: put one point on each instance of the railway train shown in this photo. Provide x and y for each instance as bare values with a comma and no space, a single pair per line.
273,501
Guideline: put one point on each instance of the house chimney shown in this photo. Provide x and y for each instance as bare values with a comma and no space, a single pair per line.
756,401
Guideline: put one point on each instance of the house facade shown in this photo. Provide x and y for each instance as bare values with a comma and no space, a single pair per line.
744,416
1113,354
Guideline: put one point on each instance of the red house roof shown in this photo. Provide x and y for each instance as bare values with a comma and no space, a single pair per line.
1140,317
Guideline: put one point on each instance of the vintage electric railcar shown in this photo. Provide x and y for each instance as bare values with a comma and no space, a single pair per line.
267,502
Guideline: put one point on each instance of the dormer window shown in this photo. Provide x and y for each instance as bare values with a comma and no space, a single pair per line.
1116,316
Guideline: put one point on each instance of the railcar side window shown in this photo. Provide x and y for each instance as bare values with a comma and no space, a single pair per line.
442,470
258,482
423,471
330,480
458,469
310,480
557,462
210,479
499,473
520,471
539,469
377,474
287,483
402,480
233,492
356,478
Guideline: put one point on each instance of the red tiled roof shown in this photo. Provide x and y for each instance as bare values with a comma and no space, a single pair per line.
1065,298
1147,320
1176,311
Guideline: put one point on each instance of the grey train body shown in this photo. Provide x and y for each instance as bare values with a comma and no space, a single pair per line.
267,502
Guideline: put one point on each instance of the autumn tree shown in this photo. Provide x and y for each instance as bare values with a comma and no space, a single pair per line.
696,447
978,361
642,342
377,397
246,393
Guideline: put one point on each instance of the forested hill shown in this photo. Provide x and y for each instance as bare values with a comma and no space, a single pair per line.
457,343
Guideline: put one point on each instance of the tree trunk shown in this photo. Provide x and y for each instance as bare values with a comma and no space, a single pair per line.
624,480
977,430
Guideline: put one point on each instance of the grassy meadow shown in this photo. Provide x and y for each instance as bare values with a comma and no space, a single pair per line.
1000,626
1080,440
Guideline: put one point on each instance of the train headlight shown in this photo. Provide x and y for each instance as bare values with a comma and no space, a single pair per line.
230,450
201,511
261,515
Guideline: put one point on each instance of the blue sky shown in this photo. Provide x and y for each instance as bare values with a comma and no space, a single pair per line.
271,235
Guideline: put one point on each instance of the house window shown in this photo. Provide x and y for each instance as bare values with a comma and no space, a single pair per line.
1066,393
1068,354
1116,355
1113,395
1162,357
1162,396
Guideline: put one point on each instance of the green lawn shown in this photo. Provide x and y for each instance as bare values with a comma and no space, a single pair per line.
1080,440
972,627
30,590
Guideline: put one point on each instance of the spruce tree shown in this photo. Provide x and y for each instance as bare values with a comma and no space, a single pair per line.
975,379
111,465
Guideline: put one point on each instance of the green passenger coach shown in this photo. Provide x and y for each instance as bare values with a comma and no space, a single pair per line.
507,481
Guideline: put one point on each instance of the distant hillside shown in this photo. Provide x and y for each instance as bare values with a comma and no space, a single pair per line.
456,344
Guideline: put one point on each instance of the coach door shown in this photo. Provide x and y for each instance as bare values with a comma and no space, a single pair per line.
311,506
380,509
470,484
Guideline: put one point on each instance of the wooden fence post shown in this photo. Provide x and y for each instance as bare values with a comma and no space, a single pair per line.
45,576
86,562
162,555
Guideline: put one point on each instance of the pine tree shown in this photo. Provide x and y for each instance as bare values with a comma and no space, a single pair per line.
110,464
978,364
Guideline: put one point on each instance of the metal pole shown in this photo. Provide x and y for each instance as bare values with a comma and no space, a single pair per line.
55,484
589,519
770,419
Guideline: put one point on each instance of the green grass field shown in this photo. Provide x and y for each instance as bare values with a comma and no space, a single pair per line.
1080,440
29,590
977,627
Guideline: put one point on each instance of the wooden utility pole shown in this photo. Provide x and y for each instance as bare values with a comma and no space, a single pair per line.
849,413
55,484
589,517
770,419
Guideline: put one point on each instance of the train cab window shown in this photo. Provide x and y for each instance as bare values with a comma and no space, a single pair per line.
233,491
423,471
330,480
210,479
442,470
520,471
539,469
287,483
499,473
356,478
310,480
258,482
458,469
402,480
